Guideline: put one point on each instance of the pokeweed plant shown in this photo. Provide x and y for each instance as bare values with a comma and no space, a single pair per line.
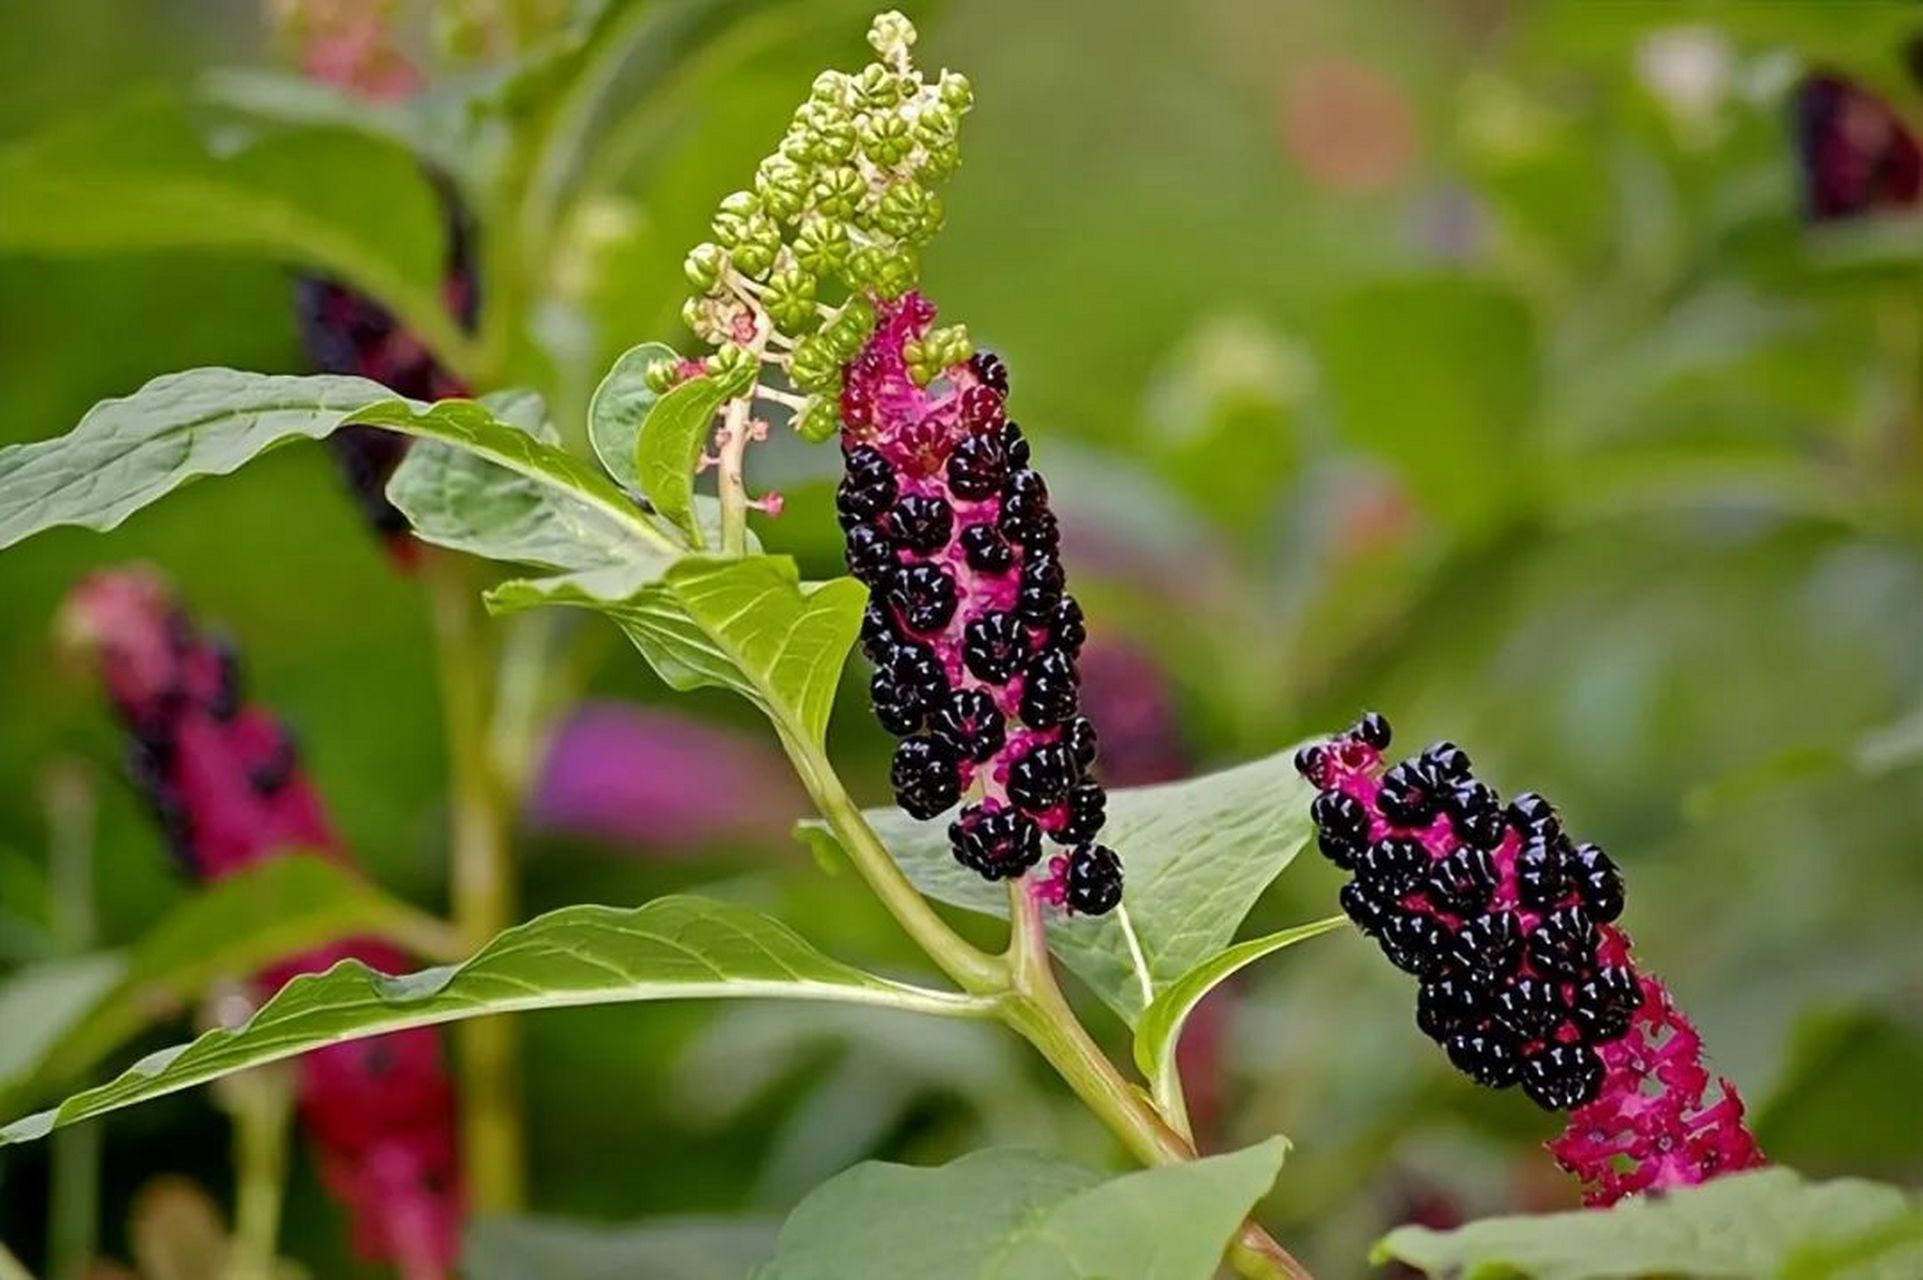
806,298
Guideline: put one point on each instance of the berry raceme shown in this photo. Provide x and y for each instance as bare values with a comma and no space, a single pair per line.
1509,926
222,777
973,638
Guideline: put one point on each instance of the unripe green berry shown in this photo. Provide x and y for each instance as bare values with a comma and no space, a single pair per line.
878,88
821,245
850,327
891,34
936,126
813,366
662,375
838,192
939,162
817,420
956,92
730,365
884,139
753,259
830,87
908,212
783,187
900,269
834,139
703,266
791,299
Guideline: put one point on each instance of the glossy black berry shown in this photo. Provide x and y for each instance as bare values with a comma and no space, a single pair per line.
1489,947
927,776
867,487
1529,813
878,634
1024,504
1563,944
1476,815
985,549
1342,850
899,708
1068,631
1447,762
1446,1005
1530,1007
1041,589
1367,905
921,523
924,597
1087,806
994,646
971,720
1341,814
1395,864
998,844
1413,942
1542,879
1562,1077
1051,689
1094,880
1082,742
1406,797
915,666
1373,730
1040,779
871,556
1605,1004
990,369
1598,883
977,467
1310,762
1487,1056
1461,883
1014,445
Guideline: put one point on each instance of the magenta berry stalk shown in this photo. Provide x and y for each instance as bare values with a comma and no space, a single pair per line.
973,636
1525,978
222,777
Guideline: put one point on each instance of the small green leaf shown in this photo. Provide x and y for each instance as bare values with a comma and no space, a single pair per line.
1198,853
228,930
1741,1227
655,1249
620,405
743,623
670,443
675,948
1019,1215
1160,1028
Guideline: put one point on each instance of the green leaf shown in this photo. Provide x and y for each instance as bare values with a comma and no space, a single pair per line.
670,444
675,948
620,404
229,929
1160,1028
743,623
1018,1215
140,176
1198,853
41,1004
657,1249
129,452
1742,1226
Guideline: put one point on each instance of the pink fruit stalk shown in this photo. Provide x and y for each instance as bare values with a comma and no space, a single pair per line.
1525,978
223,779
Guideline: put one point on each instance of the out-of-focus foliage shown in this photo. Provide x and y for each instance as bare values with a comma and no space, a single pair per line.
1473,361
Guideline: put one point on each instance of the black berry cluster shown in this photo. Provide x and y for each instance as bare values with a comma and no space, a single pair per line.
1503,918
973,637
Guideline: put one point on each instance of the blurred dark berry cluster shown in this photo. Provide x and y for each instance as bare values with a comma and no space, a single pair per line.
974,639
1508,924
223,780
345,332
1857,155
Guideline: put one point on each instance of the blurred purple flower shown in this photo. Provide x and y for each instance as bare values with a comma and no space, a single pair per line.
630,775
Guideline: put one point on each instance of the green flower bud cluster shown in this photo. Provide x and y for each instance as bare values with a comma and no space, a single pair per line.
835,217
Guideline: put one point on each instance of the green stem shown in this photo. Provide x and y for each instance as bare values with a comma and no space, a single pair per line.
262,1108
73,1225
482,886
730,484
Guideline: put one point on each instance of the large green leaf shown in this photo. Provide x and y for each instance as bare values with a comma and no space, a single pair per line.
620,405
140,176
1198,853
228,930
129,452
676,948
1742,1227
1160,1028
658,1249
1018,1215
743,623
672,438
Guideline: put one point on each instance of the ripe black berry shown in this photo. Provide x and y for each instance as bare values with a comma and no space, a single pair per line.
971,720
1463,882
996,844
1542,879
898,707
924,597
1079,737
1087,809
927,776
1562,1077
1051,689
1394,864
1340,814
871,556
1414,942
989,368
1373,730
994,646
1041,590
1367,905
985,549
921,523
1488,1056
1475,815
1094,880
1040,779
878,634
1529,813
1489,947
1529,1007
867,487
1310,761
1068,631
1406,798
1563,944
1446,1005
977,467
1014,445
1447,762
1024,503
1598,883
1605,1004
915,666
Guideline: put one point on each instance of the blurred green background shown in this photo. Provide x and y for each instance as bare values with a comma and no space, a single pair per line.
1474,361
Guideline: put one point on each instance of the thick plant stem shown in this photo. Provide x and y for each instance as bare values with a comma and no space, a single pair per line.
1042,1014
482,887
262,1107
972,970
730,483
